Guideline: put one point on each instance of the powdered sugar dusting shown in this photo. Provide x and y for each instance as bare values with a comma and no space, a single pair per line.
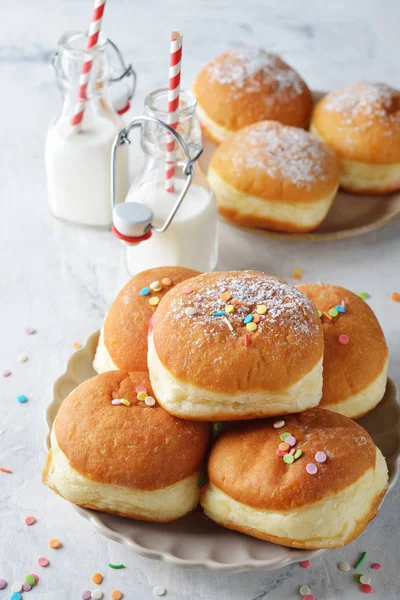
250,68
286,307
282,152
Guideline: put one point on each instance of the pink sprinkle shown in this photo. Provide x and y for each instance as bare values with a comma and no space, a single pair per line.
344,339
376,566
30,330
26,587
311,469
280,452
140,388
309,597
306,564
186,290
292,450
116,402
30,521
343,304
6,373
320,457
35,577
366,588
86,595
290,440
43,562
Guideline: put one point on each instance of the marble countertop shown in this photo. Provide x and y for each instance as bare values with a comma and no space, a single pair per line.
60,279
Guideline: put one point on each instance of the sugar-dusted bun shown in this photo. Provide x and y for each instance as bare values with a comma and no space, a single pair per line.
273,176
136,461
355,372
244,85
211,367
251,489
123,338
361,123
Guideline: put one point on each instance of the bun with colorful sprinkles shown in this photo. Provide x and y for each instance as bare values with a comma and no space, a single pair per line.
235,345
114,449
123,338
355,355
311,480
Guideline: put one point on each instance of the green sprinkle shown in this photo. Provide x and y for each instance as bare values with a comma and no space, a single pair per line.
320,313
361,560
284,436
333,312
203,481
364,295
30,580
116,566
288,459
298,453
357,577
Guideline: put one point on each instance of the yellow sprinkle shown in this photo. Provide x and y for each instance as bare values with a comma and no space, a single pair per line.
142,396
229,308
251,326
125,402
261,309
154,301
157,289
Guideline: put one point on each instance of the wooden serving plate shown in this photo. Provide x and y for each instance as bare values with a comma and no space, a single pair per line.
349,216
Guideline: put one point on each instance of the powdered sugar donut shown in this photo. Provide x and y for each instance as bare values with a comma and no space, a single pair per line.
235,345
272,176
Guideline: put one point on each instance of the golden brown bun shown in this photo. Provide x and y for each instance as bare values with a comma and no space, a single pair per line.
126,323
244,85
348,369
139,447
277,163
361,122
243,461
203,351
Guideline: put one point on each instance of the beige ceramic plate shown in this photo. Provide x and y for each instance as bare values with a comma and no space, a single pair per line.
197,544
349,216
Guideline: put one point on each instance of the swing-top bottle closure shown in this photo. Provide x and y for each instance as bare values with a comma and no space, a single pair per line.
132,221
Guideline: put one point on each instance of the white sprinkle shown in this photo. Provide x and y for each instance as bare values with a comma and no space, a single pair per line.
16,587
227,322
149,401
190,311
22,358
279,424
344,566
304,590
365,579
159,591
97,594
155,284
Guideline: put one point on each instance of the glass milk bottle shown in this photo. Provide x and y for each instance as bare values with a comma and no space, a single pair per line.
191,238
77,157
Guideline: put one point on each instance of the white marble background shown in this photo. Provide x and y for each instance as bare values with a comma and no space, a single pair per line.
61,279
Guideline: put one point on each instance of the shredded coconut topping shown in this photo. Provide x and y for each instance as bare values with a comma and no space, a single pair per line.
286,307
282,152
250,68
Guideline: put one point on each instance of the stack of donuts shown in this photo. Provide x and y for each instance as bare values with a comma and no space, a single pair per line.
268,170
236,390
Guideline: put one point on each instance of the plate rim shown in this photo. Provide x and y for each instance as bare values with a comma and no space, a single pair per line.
167,557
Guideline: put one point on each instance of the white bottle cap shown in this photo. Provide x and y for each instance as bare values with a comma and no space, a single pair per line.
132,219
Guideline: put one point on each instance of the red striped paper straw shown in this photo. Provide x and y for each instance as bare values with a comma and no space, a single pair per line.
173,105
94,32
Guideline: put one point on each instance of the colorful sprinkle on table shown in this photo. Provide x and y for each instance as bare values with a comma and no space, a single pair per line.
376,566
311,468
190,311
4,470
145,291
304,590
97,578
30,580
16,587
261,309
113,566
320,457
395,297
26,587
333,312
36,578
22,399
97,595
55,543
343,339
309,597
154,300
125,402
248,319
344,566
364,295
251,327
77,345
159,591
22,358
366,588
149,401
229,308
279,424
297,273
116,402
306,564
30,521
116,595
16,596
3,584
6,373
43,562
365,579
86,595
225,296
360,560
166,281
30,330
